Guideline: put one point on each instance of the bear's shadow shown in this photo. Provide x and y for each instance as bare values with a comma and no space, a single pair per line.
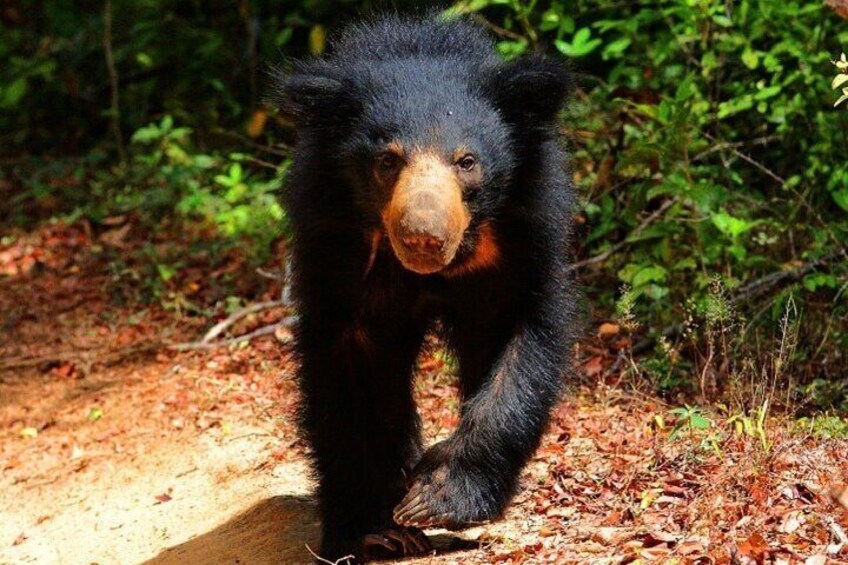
273,531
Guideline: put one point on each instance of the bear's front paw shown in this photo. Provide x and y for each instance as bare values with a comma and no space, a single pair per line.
447,494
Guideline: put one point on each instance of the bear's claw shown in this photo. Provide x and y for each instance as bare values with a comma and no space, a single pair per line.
416,510
396,542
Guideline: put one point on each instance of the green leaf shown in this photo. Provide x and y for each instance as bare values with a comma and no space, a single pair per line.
511,49
581,44
723,20
768,92
750,58
13,93
841,196
550,20
698,421
735,105
95,413
816,281
144,59
616,48
166,272
654,273
731,226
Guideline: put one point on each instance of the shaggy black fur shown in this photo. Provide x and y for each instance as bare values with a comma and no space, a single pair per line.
438,84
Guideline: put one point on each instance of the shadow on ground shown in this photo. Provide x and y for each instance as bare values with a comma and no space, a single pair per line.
274,531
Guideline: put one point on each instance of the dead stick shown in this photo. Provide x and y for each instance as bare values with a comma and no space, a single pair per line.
286,322
218,328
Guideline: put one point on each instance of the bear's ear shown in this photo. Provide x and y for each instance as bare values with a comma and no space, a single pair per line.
311,97
529,91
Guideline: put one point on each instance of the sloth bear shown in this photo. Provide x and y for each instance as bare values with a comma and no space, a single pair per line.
427,193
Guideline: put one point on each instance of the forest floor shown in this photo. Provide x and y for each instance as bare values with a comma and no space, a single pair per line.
116,449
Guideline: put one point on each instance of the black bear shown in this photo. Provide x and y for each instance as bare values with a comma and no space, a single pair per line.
428,191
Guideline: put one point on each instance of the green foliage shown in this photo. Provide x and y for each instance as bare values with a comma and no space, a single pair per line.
237,203
824,427
753,426
689,418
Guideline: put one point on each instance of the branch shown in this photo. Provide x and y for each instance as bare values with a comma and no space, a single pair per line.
219,328
503,32
627,240
114,100
250,143
286,322
751,161
103,355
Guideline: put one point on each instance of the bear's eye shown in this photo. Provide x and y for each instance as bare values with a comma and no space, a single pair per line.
388,161
467,163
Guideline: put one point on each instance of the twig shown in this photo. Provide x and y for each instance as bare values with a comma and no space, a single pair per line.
103,355
250,143
273,275
286,322
751,161
322,560
114,102
218,328
503,32
763,284
263,163
765,140
626,241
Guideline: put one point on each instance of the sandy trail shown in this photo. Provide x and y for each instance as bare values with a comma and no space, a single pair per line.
162,459
161,498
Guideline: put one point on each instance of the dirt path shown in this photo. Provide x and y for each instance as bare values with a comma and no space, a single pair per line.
142,483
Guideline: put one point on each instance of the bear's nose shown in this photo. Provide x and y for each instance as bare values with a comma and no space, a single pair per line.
423,243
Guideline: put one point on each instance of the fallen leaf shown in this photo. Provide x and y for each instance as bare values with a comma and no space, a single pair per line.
608,330
594,366
656,538
65,370
610,535
755,546
839,495
791,522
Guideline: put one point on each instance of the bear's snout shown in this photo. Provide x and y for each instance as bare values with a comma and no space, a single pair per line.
426,217
425,238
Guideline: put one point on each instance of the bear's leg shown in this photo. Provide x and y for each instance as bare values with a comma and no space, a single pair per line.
360,419
512,382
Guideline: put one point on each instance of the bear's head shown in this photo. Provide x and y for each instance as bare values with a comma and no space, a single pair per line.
428,142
